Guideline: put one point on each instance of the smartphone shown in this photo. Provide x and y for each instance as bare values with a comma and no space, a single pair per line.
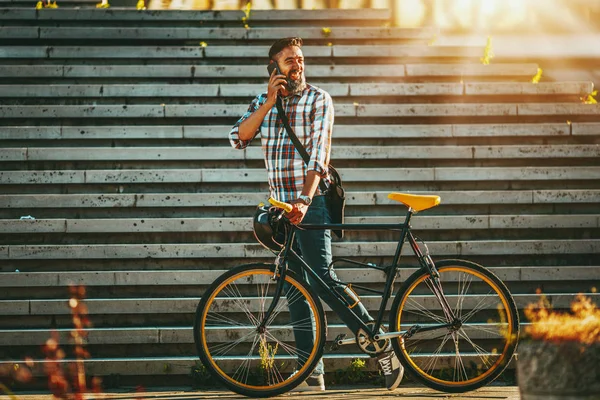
273,66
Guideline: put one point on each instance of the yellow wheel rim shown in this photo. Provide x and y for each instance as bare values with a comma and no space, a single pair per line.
509,321
242,275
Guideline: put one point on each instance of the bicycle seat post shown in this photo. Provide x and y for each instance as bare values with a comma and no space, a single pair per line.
409,215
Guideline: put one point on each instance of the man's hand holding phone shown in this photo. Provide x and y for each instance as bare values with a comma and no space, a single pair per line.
277,82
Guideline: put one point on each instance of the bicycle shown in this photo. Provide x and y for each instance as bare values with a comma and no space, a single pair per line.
453,324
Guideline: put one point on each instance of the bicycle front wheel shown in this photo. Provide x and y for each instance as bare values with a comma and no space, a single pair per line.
462,354
254,361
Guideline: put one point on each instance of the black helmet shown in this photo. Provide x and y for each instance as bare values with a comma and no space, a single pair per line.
268,228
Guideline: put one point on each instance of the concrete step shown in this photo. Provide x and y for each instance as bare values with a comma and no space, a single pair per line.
334,89
250,175
214,35
67,4
538,46
542,88
423,111
130,225
385,72
203,277
167,336
133,336
102,336
441,249
304,17
382,131
188,305
241,199
439,110
17,5
559,151
177,365
403,53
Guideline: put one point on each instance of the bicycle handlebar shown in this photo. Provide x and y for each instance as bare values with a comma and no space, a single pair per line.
280,204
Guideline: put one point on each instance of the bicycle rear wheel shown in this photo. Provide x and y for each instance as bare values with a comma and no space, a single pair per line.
476,349
246,359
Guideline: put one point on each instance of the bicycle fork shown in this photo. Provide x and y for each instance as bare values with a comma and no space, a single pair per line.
278,276
435,285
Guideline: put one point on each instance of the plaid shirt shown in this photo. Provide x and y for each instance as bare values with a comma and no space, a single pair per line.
311,117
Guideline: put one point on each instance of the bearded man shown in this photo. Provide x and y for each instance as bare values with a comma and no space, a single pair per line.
292,180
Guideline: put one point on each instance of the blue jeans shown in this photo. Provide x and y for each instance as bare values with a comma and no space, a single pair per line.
315,247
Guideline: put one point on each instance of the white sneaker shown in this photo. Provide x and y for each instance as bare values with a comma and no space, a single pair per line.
314,383
392,369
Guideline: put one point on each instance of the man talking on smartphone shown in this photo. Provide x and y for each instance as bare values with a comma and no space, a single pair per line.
292,180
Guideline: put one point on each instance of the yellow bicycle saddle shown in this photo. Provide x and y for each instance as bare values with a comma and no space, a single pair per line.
415,201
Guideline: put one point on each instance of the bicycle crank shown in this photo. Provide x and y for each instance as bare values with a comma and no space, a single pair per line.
371,347
341,341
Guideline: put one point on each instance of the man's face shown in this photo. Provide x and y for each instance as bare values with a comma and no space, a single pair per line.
291,64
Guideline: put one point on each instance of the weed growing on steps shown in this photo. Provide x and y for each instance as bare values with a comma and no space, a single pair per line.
267,354
201,377
260,375
355,374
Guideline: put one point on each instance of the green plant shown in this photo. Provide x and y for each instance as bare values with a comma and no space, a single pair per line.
267,354
201,377
356,374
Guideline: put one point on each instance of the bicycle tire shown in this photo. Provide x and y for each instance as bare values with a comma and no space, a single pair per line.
475,354
249,362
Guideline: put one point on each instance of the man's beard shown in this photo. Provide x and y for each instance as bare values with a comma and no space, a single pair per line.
297,85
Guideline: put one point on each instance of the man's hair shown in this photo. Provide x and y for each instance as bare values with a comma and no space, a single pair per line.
282,44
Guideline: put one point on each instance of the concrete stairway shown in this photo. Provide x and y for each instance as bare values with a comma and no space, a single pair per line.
114,138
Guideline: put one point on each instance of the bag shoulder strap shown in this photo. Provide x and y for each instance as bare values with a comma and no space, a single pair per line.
295,140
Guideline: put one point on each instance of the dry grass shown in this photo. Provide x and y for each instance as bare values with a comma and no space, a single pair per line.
66,380
582,324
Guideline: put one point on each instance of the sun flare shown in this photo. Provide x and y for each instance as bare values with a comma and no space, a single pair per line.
476,14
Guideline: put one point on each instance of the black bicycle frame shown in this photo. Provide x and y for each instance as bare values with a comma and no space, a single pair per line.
405,234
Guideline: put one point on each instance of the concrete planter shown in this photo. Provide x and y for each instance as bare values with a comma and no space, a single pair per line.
558,371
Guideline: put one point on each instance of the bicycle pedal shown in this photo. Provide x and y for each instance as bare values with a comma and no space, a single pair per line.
335,346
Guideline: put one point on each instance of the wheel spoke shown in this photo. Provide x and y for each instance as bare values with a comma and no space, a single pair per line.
291,350
435,356
263,291
481,304
241,374
424,337
234,293
459,368
284,305
463,288
488,329
223,348
481,352
421,310
220,319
